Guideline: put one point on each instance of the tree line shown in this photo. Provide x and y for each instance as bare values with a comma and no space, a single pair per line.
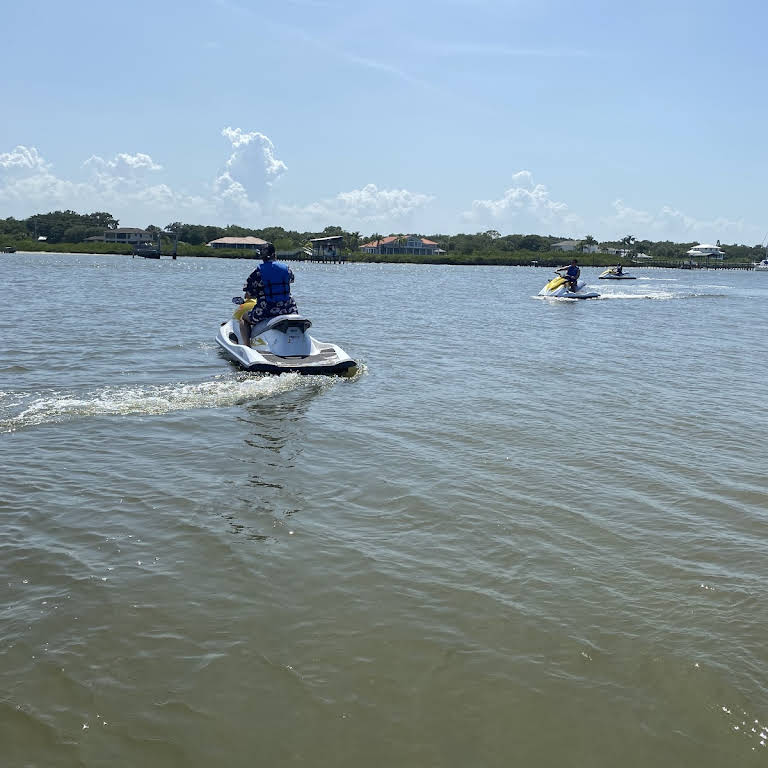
71,227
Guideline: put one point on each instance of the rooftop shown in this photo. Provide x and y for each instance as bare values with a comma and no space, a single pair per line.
393,238
239,241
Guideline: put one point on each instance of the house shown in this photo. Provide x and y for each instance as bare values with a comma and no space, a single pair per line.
573,245
410,244
126,236
706,252
248,243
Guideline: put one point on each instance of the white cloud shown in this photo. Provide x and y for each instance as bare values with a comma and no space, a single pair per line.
252,163
22,159
125,176
122,184
25,176
243,189
369,205
123,164
670,224
130,180
524,206
132,187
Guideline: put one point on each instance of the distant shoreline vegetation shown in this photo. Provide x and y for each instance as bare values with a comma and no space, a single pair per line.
68,231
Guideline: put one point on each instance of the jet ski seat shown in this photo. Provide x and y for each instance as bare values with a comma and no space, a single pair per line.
283,322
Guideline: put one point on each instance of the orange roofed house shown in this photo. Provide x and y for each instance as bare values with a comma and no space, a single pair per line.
411,244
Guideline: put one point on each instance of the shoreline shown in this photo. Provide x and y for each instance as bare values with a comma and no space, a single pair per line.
547,259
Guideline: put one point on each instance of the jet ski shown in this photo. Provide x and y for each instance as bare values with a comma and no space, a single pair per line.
612,274
282,345
558,288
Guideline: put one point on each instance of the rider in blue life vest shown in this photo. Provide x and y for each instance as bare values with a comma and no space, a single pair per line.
572,273
270,285
619,269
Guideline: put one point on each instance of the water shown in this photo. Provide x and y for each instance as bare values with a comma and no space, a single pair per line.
531,536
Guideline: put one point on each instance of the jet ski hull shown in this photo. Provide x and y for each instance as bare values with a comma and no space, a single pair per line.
557,288
313,358
614,276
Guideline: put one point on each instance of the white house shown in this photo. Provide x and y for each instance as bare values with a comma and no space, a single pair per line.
124,235
248,243
705,251
574,245
129,235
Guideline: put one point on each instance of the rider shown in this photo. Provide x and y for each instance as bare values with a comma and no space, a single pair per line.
241,316
571,275
269,285
619,269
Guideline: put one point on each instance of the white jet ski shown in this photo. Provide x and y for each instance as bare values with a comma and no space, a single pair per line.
282,345
612,274
558,288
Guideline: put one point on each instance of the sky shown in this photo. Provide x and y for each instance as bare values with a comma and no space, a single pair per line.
553,117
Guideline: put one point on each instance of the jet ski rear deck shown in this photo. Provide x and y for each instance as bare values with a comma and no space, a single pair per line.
286,334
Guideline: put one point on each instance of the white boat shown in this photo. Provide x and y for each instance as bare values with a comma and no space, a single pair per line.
559,288
282,345
761,266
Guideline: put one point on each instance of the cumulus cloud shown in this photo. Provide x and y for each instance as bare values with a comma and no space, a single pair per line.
26,176
126,176
669,223
525,205
123,164
131,185
250,171
369,205
28,184
22,160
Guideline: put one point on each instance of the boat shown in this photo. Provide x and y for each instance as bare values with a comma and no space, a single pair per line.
612,274
147,250
282,345
761,266
9,249
559,288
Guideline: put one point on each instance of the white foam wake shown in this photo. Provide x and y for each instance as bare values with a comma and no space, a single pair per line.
148,399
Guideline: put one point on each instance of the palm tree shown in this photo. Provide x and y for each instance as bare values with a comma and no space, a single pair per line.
588,241
628,241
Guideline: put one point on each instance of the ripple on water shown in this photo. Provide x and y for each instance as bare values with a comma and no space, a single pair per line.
523,533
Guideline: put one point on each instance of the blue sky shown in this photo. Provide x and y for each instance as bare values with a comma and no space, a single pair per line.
552,117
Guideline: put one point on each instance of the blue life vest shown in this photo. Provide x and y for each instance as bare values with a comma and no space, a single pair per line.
573,272
276,279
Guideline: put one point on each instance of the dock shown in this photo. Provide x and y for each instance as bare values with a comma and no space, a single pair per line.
325,250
